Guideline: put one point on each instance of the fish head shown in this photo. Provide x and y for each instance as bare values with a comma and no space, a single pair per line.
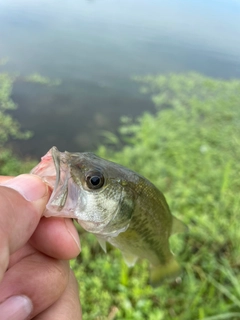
92,190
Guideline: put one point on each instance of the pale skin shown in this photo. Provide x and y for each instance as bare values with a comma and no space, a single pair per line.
36,281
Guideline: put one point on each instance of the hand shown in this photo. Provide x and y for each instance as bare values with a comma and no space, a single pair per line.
36,281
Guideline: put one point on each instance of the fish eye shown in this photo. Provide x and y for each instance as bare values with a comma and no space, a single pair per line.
95,180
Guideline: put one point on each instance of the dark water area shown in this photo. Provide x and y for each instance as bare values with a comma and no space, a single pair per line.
94,48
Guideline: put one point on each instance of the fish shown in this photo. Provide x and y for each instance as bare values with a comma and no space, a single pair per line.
114,203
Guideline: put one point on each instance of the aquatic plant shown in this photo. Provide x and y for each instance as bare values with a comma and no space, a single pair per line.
10,128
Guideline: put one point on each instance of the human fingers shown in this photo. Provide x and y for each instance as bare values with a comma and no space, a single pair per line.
56,237
67,307
22,202
5,178
39,278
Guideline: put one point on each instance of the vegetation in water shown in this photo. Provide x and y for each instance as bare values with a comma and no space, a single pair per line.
9,127
190,150
39,79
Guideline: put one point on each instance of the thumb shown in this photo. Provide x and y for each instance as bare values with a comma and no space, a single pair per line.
22,202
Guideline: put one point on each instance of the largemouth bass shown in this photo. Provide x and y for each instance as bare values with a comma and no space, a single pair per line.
114,203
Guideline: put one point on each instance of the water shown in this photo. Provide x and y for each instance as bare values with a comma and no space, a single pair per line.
95,47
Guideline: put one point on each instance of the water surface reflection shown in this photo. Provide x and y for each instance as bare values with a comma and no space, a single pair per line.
95,47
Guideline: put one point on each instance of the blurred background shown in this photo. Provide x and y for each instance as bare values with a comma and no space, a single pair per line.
155,86
94,48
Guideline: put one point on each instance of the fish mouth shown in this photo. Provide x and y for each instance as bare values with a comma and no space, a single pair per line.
55,172
61,185
63,200
46,169
56,160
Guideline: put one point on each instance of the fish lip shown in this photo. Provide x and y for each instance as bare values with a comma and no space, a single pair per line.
56,159
56,156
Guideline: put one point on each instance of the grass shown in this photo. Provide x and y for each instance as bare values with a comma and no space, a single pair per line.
190,150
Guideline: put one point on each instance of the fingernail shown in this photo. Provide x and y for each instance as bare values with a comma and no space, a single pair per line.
73,232
31,187
16,308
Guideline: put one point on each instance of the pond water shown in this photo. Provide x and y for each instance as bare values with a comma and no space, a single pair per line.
95,47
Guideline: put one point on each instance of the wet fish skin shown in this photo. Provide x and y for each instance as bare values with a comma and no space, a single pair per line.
124,209
113,202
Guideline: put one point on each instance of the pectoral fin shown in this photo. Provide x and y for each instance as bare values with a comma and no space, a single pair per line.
102,243
178,226
129,259
160,272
